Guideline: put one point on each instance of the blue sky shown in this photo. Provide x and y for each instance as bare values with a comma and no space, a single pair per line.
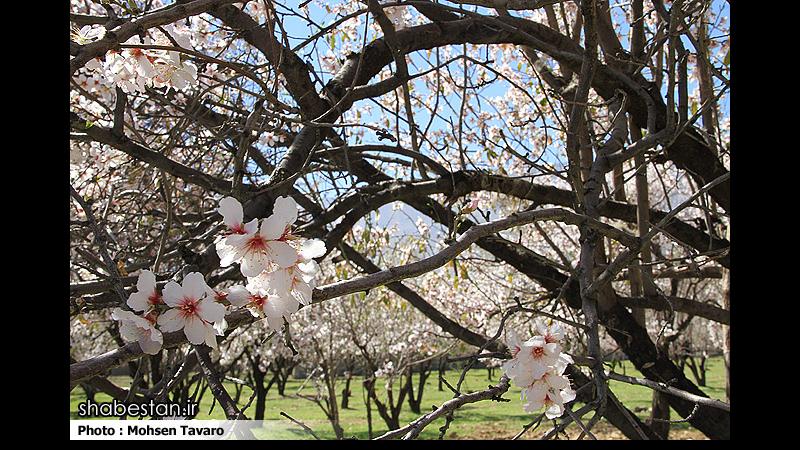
298,31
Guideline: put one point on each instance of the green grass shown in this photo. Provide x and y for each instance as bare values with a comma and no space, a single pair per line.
479,420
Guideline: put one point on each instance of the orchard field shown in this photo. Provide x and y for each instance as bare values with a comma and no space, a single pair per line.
489,420
370,190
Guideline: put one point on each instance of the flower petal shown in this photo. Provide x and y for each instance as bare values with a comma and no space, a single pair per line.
194,286
146,282
554,411
210,311
195,330
151,342
254,263
312,248
138,301
173,293
228,254
120,314
129,331
251,227
231,211
273,227
303,292
238,295
172,320
211,337
283,254
286,208
567,395
279,281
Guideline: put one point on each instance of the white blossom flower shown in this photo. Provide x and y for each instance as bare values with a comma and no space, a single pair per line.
551,330
140,59
538,366
133,69
93,65
88,33
174,73
263,304
531,361
270,139
193,309
182,37
147,295
267,248
124,72
139,329
299,279
542,394
232,215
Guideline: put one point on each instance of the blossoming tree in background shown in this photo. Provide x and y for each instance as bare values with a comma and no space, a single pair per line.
385,190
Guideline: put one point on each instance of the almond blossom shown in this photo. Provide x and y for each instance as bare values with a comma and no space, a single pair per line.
266,248
542,395
147,295
88,34
139,329
537,365
171,72
532,360
551,330
299,279
126,70
133,69
193,309
232,215
261,303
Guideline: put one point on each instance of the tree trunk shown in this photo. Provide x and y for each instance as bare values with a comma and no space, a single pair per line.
368,402
261,393
412,401
89,390
346,393
415,398
442,372
726,339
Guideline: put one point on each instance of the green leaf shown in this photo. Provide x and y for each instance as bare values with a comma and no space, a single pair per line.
727,59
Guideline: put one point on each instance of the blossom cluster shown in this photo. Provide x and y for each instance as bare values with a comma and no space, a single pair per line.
279,267
190,306
134,69
537,365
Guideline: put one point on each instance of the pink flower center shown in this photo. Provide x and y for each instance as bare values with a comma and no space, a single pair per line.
537,352
257,300
515,351
155,298
256,243
287,234
152,316
188,307
220,296
237,229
